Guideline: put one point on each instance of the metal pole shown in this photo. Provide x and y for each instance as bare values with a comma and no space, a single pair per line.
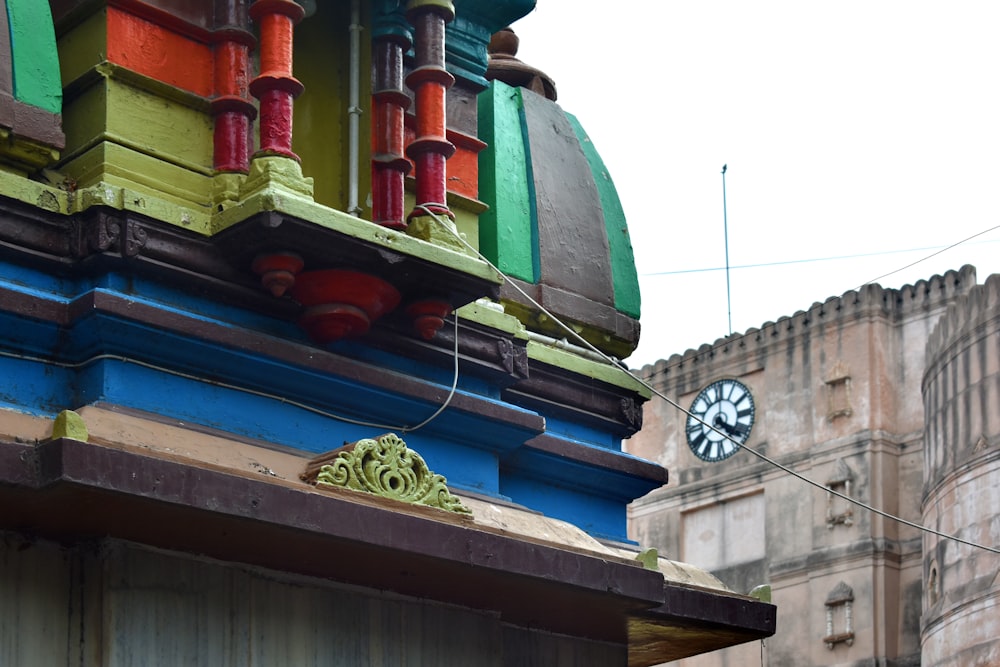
725,229
354,111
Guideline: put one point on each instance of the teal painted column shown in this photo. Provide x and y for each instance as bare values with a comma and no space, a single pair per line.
469,35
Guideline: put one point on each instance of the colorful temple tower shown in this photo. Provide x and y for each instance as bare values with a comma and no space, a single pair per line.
283,379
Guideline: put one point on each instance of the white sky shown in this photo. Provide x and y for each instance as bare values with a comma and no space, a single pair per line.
849,128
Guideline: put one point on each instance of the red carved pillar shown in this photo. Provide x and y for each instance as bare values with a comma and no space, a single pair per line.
232,109
430,82
275,87
389,103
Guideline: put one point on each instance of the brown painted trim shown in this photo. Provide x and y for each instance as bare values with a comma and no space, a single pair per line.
694,621
33,236
481,350
558,392
192,18
31,306
744,613
18,464
599,458
6,57
575,307
31,123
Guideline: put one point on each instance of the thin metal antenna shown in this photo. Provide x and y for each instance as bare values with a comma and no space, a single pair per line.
725,229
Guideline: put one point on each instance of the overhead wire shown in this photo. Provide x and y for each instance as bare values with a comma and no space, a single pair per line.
886,275
616,363
735,338
761,265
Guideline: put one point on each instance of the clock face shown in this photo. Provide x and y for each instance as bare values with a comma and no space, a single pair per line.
728,406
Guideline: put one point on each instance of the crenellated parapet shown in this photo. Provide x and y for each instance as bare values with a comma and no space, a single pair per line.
871,300
975,312
962,345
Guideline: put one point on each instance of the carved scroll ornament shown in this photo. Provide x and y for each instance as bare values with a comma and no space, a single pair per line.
387,467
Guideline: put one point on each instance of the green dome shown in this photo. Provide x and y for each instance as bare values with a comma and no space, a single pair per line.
555,222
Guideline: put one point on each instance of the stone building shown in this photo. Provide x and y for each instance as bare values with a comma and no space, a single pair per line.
272,398
886,396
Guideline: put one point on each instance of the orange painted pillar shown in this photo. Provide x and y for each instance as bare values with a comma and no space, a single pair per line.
430,82
275,87
231,107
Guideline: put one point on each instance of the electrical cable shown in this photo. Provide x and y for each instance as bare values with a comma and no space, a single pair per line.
835,258
674,404
734,338
985,231
451,392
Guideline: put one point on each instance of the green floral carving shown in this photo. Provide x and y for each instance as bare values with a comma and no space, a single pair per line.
388,468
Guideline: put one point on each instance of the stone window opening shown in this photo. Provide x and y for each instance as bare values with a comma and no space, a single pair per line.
838,510
839,616
838,391
933,590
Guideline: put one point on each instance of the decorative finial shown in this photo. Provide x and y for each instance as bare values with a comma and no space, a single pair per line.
504,66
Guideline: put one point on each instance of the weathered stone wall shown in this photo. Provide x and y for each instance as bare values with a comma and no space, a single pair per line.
837,393
961,619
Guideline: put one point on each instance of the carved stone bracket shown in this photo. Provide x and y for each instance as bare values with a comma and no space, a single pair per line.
107,232
514,358
385,467
632,412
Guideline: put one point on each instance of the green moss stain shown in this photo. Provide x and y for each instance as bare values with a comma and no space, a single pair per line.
508,231
623,274
35,58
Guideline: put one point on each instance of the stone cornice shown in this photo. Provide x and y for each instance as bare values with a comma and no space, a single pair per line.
694,487
841,557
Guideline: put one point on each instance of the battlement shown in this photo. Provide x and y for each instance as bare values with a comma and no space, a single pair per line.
964,316
869,300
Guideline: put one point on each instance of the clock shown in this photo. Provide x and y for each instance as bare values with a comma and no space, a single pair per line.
727,406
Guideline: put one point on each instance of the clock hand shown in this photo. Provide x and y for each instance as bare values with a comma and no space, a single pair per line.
720,423
732,429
